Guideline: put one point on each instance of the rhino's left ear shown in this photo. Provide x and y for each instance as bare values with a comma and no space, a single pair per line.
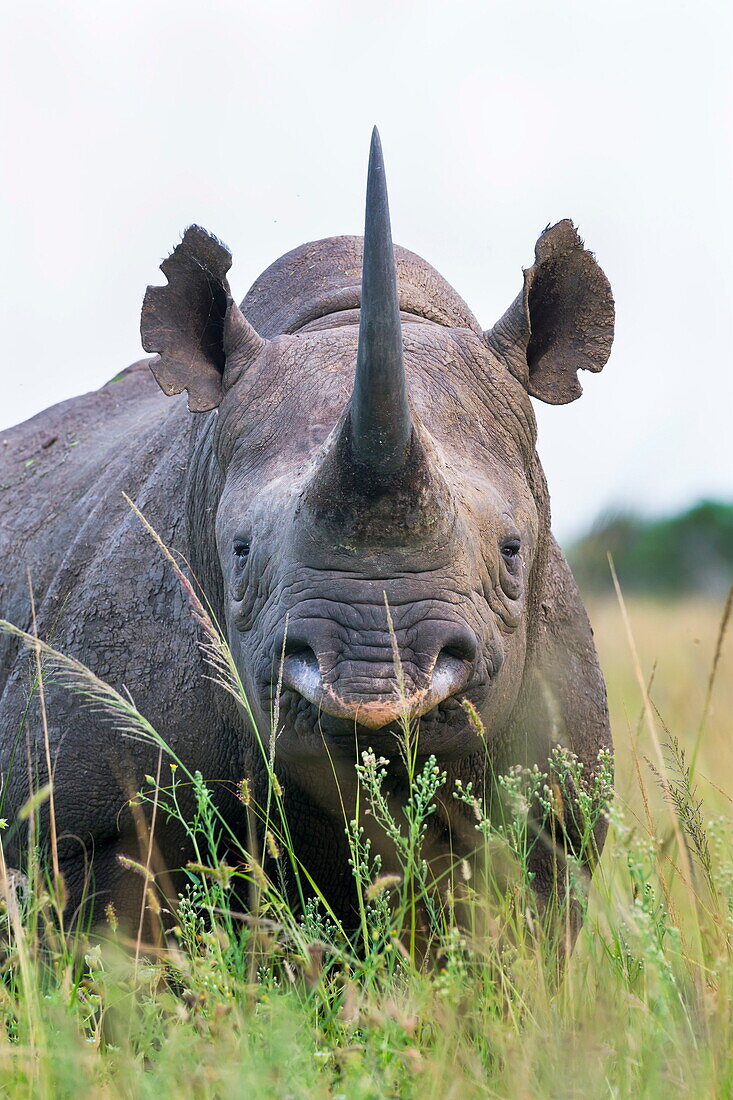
193,323
561,322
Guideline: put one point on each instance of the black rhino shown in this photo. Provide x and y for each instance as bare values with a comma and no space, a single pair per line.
353,438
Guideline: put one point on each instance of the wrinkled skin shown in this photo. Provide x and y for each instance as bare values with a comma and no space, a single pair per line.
298,557
452,587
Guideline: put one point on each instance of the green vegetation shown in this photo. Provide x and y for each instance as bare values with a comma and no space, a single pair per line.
689,552
446,989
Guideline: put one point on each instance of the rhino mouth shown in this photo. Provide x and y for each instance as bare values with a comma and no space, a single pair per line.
305,729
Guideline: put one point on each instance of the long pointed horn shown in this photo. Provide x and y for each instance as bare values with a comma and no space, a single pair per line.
381,424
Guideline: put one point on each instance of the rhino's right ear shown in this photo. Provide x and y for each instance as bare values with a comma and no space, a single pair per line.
560,322
193,323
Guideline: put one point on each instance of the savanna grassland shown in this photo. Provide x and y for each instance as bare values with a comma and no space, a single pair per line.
290,1006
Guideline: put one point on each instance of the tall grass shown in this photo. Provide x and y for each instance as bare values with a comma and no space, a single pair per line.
442,990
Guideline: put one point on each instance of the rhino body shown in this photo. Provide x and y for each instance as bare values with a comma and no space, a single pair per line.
350,439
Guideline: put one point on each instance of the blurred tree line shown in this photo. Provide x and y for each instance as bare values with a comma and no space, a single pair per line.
689,552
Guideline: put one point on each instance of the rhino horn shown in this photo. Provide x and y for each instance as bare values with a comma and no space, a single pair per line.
380,422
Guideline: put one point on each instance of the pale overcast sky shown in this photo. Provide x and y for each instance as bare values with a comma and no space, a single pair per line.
123,123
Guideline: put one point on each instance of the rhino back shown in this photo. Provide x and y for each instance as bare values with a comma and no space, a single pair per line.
103,592
62,475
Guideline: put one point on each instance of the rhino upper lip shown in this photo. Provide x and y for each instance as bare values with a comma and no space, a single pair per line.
302,674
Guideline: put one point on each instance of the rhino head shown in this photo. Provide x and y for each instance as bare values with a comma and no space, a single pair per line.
382,516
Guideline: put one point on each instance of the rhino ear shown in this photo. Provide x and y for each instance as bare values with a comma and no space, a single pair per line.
561,322
193,321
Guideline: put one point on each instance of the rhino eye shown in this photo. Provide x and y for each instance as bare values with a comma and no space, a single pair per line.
510,551
241,551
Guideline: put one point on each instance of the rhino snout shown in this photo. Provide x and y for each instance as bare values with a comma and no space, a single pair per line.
363,686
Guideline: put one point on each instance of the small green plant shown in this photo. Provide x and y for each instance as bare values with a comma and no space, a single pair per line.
440,988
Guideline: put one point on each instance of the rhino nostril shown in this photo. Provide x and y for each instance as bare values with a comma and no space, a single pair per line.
295,647
293,643
460,645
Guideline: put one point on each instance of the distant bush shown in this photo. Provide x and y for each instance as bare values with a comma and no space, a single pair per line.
689,552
